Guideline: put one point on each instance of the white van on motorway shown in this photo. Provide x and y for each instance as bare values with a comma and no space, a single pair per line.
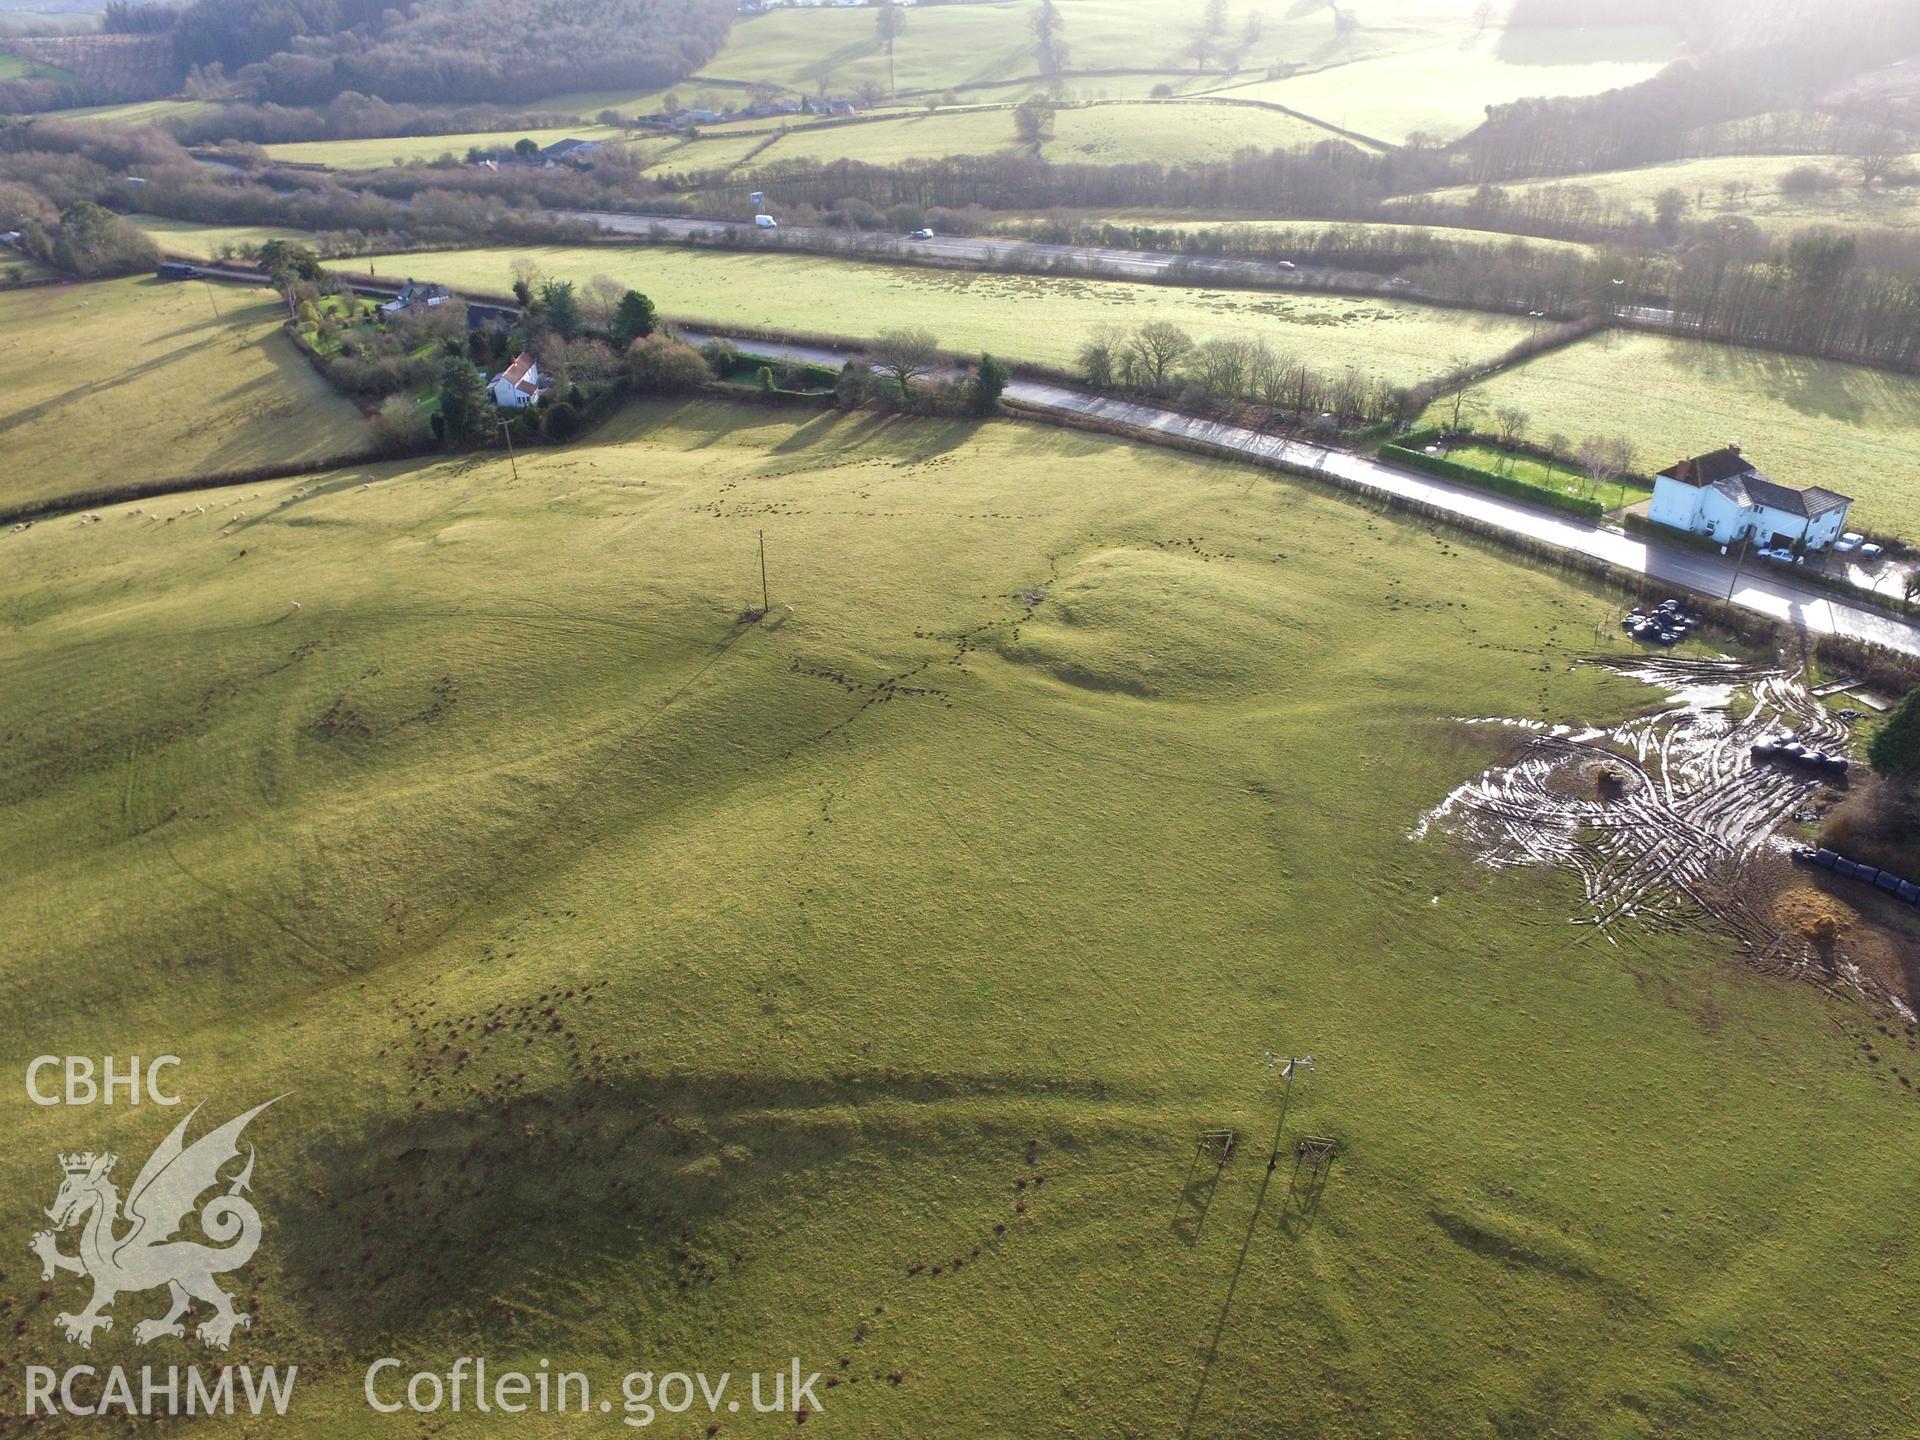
766,222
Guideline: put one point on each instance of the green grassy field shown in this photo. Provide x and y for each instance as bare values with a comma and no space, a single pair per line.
810,51
14,67
968,310
372,154
126,380
185,237
1443,89
694,156
1100,135
961,896
137,112
1757,194
1805,422
976,46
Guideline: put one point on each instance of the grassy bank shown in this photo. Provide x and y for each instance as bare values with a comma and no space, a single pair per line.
648,983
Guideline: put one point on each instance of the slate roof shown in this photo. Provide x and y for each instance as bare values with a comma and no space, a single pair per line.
1711,468
1734,476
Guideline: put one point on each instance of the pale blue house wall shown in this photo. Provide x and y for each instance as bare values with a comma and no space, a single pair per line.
1675,504
1706,511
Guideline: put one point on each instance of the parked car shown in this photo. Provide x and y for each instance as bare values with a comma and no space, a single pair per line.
1871,551
921,234
1779,552
766,222
1849,542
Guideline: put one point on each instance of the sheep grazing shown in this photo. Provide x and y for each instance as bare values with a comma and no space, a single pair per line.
296,604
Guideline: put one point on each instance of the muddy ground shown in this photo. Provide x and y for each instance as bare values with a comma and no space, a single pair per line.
1670,823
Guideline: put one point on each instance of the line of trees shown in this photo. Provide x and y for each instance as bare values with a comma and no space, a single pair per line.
1160,359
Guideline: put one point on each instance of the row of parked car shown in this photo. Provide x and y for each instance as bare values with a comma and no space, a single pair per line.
1665,624
1788,748
1885,880
1850,543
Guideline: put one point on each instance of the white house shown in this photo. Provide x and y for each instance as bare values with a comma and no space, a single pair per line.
516,386
1722,496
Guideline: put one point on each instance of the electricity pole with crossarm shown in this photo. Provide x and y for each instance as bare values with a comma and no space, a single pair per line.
1287,1068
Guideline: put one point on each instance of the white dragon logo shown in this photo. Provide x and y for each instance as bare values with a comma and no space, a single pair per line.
147,1255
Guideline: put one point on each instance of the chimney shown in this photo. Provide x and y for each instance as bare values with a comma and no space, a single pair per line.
1733,446
1683,471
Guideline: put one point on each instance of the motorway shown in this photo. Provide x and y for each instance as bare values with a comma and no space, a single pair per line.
1036,257
997,253
1754,586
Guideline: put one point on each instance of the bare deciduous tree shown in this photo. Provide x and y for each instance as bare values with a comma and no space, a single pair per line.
1222,367
1875,150
1511,422
599,298
1156,348
905,355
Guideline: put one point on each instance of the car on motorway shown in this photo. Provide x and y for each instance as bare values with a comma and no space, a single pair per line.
766,222
1849,542
921,234
1285,265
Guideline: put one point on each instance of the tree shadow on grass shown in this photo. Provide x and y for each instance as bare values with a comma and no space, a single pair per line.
1822,389
460,1219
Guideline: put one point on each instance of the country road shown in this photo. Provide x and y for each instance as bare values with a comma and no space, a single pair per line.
1752,586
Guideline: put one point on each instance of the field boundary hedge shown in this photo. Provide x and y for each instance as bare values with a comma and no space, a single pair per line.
56,505
1487,480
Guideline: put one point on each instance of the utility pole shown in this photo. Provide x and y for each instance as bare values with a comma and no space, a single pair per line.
210,300
1287,1068
1744,539
765,603
507,435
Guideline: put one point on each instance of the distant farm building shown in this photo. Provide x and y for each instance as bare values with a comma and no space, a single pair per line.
1722,496
569,151
518,385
